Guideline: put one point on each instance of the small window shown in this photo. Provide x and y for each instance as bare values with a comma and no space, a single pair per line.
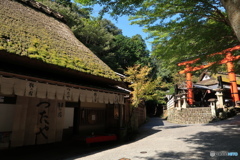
8,100
72,104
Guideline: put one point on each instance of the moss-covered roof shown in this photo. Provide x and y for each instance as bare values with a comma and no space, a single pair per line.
28,31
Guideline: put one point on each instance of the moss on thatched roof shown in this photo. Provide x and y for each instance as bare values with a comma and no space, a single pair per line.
28,31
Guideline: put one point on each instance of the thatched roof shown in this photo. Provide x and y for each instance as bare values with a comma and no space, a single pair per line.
213,79
38,32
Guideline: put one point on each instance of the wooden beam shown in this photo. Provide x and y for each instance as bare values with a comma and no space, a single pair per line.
213,54
54,82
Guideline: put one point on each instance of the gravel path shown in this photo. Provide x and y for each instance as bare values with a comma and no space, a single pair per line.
160,139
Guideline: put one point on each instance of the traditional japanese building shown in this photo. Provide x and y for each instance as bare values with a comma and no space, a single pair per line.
211,81
51,86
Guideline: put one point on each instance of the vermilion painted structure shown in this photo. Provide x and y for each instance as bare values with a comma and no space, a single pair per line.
228,60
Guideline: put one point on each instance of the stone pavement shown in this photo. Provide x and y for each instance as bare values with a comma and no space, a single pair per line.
160,140
157,140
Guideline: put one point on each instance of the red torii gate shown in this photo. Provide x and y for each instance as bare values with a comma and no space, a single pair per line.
229,58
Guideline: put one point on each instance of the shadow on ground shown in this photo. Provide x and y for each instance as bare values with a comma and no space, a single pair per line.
151,127
68,149
154,126
226,139
219,142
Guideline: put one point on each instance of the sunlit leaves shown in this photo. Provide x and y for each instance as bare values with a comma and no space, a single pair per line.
185,29
144,88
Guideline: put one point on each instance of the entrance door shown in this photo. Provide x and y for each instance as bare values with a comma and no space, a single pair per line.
71,120
112,118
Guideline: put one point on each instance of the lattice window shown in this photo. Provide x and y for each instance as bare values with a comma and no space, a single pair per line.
92,116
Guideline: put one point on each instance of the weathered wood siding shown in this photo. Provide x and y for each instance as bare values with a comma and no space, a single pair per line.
37,121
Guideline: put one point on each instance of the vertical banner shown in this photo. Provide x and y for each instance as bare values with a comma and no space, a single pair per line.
38,121
111,98
42,90
52,112
60,105
19,87
100,97
50,119
68,93
95,97
75,94
116,99
7,85
31,121
51,91
42,128
31,89
60,92
89,96
82,95
106,98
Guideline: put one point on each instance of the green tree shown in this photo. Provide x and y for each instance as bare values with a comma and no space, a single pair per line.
63,2
72,12
144,87
183,29
127,51
115,7
94,35
130,7
101,36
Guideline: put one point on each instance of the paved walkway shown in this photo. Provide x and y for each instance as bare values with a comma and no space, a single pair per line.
158,140
163,140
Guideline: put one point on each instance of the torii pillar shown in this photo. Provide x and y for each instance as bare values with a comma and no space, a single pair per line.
232,77
190,96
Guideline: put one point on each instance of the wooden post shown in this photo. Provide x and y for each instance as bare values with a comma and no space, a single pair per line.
76,120
232,77
189,88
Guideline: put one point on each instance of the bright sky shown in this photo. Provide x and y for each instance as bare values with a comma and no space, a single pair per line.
124,24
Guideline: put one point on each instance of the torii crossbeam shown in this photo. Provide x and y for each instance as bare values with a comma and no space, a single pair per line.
228,60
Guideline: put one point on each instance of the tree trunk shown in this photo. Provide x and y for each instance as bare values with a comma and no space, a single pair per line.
233,11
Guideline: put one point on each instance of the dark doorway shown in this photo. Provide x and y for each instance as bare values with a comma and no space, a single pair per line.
71,120
112,118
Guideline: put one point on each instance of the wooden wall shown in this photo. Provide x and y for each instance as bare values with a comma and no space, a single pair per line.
37,121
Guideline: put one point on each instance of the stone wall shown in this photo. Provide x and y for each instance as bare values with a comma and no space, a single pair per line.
190,115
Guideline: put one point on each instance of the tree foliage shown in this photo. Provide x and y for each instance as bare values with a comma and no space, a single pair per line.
94,35
108,43
127,51
101,36
114,7
183,29
144,87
